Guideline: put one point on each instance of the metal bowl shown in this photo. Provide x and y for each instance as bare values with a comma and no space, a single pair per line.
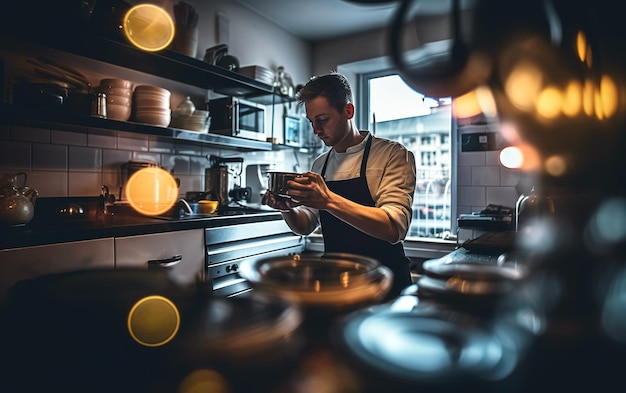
335,281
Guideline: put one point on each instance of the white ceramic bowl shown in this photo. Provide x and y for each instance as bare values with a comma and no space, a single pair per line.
116,91
155,119
118,112
118,100
116,83
151,104
152,89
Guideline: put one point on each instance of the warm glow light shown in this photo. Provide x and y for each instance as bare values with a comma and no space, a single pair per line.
555,165
572,99
486,101
510,133
608,94
511,157
466,106
153,321
589,97
149,27
523,86
151,191
549,102
204,380
581,45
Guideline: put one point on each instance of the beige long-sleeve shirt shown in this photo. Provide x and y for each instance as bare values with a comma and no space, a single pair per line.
390,178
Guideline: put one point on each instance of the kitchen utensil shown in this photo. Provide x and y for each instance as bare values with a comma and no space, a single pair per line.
333,282
215,53
207,207
17,201
99,105
217,177
277,182
424,348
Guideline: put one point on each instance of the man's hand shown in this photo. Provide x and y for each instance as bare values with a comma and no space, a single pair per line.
311,190
276,202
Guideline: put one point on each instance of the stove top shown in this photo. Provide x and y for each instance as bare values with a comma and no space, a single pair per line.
230,210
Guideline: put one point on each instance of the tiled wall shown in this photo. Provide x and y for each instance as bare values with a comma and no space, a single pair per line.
482,180
68,161
64,161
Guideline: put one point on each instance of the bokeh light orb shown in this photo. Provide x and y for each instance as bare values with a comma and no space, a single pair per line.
149,27
151,191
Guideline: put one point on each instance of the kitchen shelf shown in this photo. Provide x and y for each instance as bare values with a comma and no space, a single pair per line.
16,115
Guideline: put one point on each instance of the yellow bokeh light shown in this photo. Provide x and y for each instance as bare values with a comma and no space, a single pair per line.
572,99
523,86
589,97
149,27
555,165
609,95
466,106
204,380
581,45
153,321
151,191
550,102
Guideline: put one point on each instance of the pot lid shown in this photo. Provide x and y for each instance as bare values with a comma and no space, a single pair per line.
425,346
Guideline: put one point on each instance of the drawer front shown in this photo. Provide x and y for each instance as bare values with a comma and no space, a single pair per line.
182,253
31,262
251,230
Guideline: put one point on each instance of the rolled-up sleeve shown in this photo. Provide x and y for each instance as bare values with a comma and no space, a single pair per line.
391,179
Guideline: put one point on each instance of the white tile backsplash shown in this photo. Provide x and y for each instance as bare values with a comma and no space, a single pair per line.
84,184
59,137
49,184
85,159
472,158
15,155
49,157
486,176
102,138
112,160
471,196
132,142
30,134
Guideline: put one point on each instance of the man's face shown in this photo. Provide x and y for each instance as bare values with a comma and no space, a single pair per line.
328,124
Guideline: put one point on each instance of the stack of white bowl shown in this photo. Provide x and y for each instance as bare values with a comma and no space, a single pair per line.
119,96
152,105
198,121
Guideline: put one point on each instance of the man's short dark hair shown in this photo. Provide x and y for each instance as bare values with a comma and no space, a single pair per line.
333,86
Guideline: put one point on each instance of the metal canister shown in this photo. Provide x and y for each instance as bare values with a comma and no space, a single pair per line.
99,105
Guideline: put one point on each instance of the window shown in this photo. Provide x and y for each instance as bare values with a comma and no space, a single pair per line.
424,125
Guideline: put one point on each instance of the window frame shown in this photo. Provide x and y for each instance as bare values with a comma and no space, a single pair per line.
361,98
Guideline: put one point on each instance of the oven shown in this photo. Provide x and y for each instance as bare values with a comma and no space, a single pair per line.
228,246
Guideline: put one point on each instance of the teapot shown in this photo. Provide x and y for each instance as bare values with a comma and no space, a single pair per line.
17,201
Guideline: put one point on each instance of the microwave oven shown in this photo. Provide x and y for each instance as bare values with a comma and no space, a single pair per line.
234,116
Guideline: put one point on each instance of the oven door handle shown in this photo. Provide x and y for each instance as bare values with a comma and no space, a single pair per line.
167,262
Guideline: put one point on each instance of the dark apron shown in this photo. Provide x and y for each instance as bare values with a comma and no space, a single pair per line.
340,237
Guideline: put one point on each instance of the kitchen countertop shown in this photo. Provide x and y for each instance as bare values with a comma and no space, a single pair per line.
44,229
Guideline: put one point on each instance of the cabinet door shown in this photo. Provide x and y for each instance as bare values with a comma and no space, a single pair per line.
181,252
31,262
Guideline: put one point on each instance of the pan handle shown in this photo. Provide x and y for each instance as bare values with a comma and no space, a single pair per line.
167,262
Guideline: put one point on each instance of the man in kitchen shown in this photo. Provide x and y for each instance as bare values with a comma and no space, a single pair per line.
360,190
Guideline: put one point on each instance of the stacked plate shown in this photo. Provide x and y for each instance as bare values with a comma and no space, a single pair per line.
152,105
119,95
258,73
198,121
